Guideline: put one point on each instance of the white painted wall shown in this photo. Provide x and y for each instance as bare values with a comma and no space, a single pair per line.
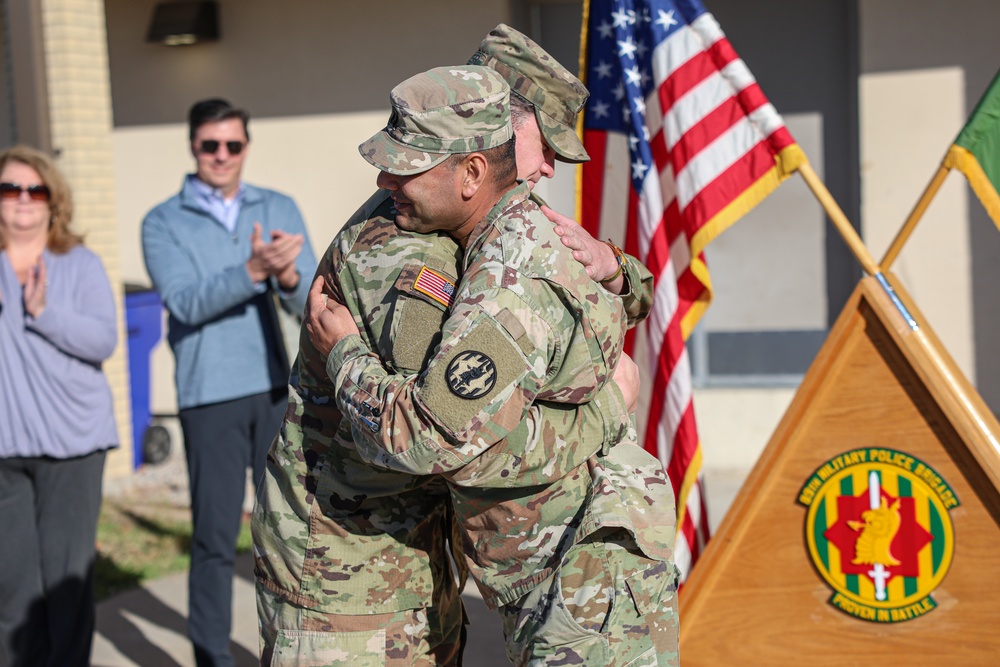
908,121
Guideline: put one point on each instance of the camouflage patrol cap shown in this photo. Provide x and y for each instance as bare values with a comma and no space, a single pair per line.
441,112
536,76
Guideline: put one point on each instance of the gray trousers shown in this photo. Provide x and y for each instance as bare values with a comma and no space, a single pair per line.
221,441
48,513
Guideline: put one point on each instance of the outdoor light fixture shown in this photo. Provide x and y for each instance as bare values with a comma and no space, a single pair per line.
184,22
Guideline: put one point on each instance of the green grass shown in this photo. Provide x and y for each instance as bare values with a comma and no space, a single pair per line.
137,543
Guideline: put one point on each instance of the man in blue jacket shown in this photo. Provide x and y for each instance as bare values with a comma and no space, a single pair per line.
223,254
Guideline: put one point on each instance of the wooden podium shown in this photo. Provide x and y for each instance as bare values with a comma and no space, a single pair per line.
869,531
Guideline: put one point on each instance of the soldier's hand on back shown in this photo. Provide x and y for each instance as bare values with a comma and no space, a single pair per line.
598,259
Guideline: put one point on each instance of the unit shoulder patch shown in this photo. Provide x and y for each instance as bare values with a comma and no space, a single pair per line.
475,382
471,375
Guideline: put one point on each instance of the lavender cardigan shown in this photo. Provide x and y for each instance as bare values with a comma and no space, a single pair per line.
54,398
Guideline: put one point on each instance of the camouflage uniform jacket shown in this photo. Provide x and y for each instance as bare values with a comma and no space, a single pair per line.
527,324
638,296
335,533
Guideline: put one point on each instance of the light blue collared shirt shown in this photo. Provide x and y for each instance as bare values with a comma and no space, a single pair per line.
225,212
212,201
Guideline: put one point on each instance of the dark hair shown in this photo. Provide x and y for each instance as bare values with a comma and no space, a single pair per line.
213,111
503,163
61,238
501,159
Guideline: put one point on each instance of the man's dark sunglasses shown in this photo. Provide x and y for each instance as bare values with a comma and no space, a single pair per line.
211,147
14,190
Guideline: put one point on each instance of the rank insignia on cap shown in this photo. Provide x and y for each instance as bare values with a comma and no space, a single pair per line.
471,375
435,285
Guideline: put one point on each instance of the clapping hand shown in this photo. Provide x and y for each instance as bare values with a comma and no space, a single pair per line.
34,289
276,258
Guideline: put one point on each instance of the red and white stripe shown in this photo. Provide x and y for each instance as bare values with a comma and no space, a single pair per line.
435,285
713,136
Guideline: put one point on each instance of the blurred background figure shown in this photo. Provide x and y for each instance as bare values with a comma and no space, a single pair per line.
225,255
57,325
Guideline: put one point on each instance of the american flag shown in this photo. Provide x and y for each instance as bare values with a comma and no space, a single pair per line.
682,143
435,285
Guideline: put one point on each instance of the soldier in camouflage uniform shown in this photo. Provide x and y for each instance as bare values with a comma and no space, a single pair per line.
326,525
581,566
337,539
545,101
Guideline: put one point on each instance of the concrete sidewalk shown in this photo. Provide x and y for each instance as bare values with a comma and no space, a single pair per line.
147,627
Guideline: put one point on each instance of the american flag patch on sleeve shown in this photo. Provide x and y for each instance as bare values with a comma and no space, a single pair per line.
435,285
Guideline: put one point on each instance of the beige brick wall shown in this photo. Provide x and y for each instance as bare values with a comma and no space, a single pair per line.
76,56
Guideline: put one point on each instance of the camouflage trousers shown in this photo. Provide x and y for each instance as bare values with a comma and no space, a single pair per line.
606,604
293,636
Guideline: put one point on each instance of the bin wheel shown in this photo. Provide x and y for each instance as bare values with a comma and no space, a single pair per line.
155,444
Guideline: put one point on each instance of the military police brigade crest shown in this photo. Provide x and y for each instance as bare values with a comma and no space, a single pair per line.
471,375
879,532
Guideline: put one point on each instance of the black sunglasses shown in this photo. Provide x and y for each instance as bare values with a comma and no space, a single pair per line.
211,147
14,190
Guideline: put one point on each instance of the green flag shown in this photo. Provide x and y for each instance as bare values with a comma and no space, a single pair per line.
976,151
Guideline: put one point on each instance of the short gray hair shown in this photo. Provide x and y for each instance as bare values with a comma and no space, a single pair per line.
520,110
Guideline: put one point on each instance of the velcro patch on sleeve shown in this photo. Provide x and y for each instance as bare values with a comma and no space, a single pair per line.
516,330
435,285
472,377
416,330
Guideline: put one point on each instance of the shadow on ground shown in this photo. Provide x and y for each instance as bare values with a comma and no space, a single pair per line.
131,621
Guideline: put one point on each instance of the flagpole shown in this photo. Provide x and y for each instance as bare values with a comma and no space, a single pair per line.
850,235
838,219
582,63
911,222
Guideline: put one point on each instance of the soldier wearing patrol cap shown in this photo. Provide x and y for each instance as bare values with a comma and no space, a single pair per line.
546,99
352,554
552,93
525,324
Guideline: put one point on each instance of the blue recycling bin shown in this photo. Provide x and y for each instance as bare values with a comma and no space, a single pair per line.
144,321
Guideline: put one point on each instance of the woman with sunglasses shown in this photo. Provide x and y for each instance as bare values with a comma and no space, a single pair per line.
57,325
